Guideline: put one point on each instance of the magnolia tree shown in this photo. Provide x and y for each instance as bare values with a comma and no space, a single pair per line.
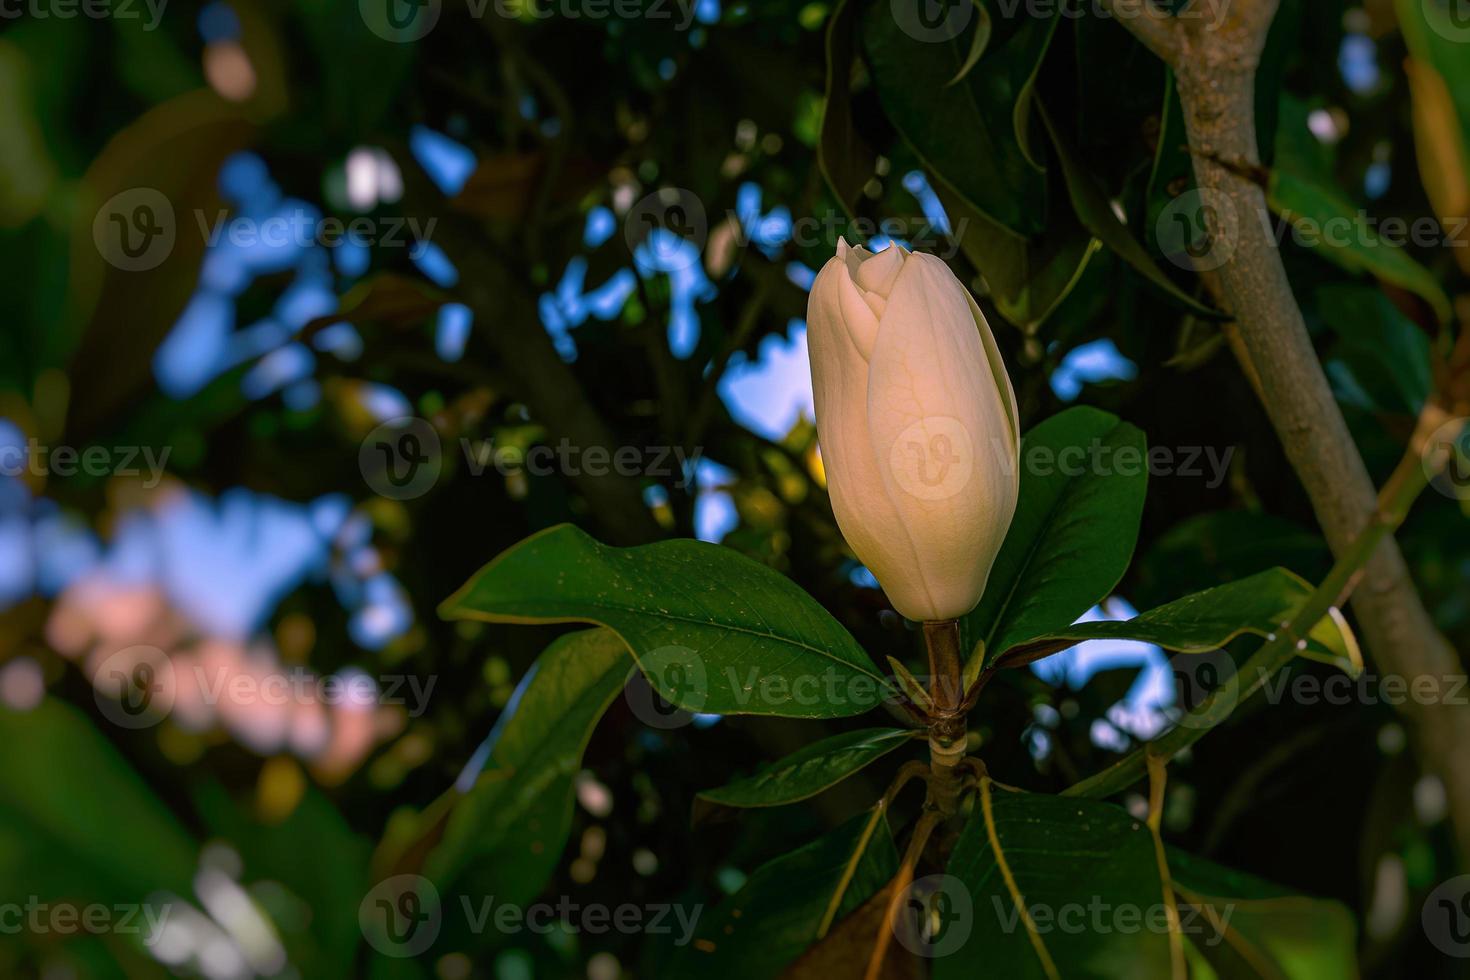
496,602
993,556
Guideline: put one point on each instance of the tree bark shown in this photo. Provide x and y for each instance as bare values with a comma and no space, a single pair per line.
1215,66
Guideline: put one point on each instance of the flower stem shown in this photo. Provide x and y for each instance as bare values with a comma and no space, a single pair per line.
946,718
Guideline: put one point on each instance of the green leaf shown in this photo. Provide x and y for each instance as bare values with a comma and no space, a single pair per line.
63,801
1219,547
1387,353
512,824
910,685
1335,228
779,911
1173,170
1079,867
712,630
812,769
1249,928
1096,213
1283,41
1027,279
845,160
332,883
1084,475
1437,37
972,134
979,41
1208,620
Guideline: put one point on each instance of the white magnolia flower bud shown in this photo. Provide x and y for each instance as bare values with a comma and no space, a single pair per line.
918,425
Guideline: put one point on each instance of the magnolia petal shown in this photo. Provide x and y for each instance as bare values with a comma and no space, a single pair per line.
934,413
878,273
840,392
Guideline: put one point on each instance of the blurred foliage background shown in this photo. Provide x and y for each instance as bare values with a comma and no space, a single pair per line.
597,230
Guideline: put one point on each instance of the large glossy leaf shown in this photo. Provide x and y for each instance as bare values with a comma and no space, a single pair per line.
1386,352
846,161
1436,34
1331,225
1096,213
1249,928
812,769
1087,875
712,630
780,910
65,795
1219,547
1028,279
513,819
1208,620
1439,86
1074,530
1172,173
971,134
1282,44
332,883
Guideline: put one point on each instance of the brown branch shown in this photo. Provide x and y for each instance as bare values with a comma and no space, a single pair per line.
1215,66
